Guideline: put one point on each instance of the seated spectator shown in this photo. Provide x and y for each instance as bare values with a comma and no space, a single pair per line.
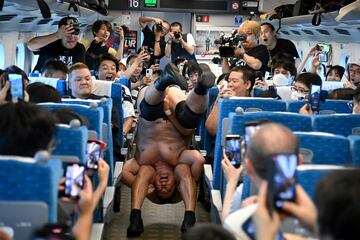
268,140
55,69
80,84
336,213
191,72
335,73
107,70
352,76
40,93
302,85
241,81
283,72
208,231
101,30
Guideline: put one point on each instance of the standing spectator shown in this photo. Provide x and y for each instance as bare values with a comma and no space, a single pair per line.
154,39
101,30
62,45
180,44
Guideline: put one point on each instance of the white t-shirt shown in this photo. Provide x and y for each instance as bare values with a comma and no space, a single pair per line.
236,199
127,105
190,39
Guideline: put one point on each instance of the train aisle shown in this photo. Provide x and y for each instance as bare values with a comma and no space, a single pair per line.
160,221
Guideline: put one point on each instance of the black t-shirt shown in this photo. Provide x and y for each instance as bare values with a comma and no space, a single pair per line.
259,52
284,46
94,53
149,41
57,51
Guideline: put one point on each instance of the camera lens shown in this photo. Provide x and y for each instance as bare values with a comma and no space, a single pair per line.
177,35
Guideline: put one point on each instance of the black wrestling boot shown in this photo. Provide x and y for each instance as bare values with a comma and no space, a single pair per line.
136,227
189,221
205,81
170,76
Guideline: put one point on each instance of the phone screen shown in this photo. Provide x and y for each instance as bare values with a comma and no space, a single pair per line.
233,149
226,51
249,228
74,180
93,154
323,57
16,86
282,180
323,47
314,98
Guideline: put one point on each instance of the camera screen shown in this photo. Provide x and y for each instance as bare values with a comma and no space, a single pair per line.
233,149
283,178
93,155
16,86
315,97
74,180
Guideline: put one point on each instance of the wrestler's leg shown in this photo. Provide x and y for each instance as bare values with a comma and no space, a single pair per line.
187,189
195,160
129,172
139,190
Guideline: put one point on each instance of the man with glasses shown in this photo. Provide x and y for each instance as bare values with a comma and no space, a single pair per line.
62,45
353,75
302,85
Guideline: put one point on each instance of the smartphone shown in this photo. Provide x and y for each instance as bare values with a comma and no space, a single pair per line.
281,180
157,61
16,87
248,227
233,149
148,72
323,57
226,51
74,180
314,97
323,47
93,151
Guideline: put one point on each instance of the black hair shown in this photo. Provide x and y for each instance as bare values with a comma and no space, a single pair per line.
208,231
66,115
191,67
97,25
342,94
176,24
179,60
13,69
338,69
272,28
130,58
337,201
52,65
288,66
25,129
221,77
248,74
216,60
308,79
40,92
109,57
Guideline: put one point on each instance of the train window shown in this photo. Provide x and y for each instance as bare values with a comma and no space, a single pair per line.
20,55
34,60
2,57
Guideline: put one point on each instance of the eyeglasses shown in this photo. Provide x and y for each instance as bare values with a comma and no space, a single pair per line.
350,105
300,90
354,71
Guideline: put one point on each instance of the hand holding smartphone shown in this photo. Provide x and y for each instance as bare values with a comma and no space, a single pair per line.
314,97
281,180
233,149
74,180
93,153
16,88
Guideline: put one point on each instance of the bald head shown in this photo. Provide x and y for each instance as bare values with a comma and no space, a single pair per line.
270,139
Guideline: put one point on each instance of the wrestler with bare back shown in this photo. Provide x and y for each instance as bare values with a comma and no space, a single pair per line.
165,169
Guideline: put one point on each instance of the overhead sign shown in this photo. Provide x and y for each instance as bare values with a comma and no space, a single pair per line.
150,3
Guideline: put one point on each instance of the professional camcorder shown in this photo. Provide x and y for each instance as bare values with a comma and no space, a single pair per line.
233,39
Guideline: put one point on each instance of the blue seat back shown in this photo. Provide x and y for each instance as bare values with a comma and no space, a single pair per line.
355,149
94,115
60,85
229,105
339,106
309,175
71,142
326,148
341,124
22,181
116,95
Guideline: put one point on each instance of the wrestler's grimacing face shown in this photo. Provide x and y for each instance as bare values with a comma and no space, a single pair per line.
165,183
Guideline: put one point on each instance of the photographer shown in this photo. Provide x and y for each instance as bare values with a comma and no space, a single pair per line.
62,45
154,39
180,45
101,30
250,54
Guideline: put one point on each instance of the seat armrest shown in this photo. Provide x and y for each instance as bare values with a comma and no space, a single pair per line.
97,231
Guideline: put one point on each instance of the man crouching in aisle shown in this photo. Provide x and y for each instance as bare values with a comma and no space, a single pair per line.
165,169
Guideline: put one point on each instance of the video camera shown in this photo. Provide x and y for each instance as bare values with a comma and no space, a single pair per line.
233,39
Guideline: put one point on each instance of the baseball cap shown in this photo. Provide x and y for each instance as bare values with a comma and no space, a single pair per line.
70,21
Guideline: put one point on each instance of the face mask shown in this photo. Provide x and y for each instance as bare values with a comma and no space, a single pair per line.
297,96
281,80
